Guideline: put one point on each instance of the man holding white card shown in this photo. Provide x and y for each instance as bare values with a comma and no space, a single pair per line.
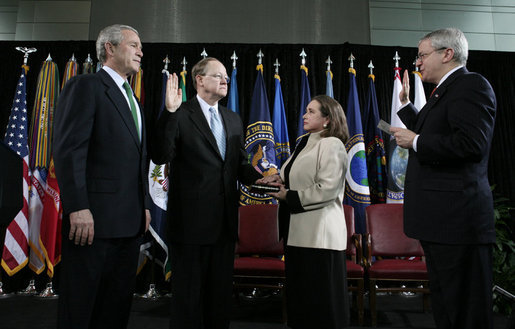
448,203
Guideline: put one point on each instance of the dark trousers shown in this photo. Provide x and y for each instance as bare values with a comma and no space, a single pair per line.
316,288
97,283
201,285
460,280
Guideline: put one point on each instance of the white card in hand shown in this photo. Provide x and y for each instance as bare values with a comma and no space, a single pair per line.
384,126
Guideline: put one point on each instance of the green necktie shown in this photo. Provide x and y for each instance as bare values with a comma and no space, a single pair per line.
128,90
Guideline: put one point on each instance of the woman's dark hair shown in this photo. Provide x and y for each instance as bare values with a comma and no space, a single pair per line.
331,109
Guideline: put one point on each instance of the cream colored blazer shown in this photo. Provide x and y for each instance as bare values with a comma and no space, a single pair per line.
318,174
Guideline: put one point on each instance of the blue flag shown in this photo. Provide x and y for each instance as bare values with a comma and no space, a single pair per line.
282,142
329,84
259,141
158,188
305,98
376,157
233,103
357,193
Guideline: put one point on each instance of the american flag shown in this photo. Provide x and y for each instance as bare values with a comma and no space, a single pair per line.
16,248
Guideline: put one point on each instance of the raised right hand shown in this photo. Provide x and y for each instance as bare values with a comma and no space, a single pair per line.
404,94
173,97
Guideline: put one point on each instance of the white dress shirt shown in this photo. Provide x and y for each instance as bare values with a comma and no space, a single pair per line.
119,82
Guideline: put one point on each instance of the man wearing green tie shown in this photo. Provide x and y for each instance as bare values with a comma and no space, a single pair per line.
100,163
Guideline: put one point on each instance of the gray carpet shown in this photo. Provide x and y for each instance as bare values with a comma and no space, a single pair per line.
394,311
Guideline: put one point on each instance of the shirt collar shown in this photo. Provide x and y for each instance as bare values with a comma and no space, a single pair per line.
114,75
205,106
449,73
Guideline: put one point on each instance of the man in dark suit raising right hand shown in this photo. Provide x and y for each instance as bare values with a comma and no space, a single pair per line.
203,141
448,203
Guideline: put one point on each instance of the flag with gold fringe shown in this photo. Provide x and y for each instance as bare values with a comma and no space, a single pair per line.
15,251
40,143
182,84
51,222
357,192
329,84
259,141
374,145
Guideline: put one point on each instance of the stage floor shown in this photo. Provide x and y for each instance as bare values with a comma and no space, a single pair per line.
262,312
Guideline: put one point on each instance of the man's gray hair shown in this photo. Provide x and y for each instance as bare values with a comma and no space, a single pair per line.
450,38
112,34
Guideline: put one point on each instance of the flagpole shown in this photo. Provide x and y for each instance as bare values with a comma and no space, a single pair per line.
305,96
30,290
282,141
232,99
42,220
357,190
259,138
152,293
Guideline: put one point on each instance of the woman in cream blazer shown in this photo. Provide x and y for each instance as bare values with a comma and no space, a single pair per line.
312,221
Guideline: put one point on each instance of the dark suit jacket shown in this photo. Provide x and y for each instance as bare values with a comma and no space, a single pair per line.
447,197
203,195
100,163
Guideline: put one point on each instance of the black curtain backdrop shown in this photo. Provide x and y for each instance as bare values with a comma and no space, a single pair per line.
497,67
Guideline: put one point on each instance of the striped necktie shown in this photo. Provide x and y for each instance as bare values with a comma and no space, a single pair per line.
128,90
218,131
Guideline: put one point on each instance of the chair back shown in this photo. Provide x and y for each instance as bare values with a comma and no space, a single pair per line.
259,230
349,221
386,229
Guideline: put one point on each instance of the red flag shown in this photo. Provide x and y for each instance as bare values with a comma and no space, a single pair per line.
50,231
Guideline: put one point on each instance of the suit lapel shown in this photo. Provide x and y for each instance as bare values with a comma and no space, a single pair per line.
119,102
199,120
435,98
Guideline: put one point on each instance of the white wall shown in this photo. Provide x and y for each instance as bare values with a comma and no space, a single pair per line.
487,24
8,14
44,20
239,21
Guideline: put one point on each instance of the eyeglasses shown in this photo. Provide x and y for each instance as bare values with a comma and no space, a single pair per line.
422,56
219,77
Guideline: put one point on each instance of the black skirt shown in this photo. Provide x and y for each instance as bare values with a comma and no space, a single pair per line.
316,288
